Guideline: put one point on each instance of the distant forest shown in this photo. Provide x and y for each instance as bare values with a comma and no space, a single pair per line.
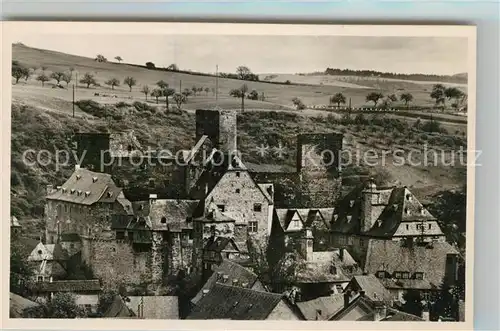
458,78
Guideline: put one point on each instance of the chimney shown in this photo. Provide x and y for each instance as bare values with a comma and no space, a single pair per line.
380,311
341,254
50,189
426,315
318,314
347,298
152,198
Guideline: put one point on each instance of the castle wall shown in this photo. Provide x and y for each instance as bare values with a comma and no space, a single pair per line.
219,126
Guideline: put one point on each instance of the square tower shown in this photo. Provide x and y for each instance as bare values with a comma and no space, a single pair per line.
219,126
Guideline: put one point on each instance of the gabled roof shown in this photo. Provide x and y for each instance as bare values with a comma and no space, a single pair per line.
362,302
70,286
49,269
119,309
306,215
372,287
48,252
87,187
318,269
155,307
235,303
14,222
392,256
232,271
219,244
321,308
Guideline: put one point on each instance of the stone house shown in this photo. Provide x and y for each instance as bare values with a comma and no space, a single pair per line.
48,261
394,213
401,266
228,302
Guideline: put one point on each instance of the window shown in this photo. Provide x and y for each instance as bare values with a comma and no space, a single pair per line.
253,226
71,245
120,235
405,275
397,275
407,212
296,223
407,227
237,190
339,288
39,278
309,243
333,270
257,207
419,275
430,226
163,220
221,207
361,243
380,274
237,174
419,227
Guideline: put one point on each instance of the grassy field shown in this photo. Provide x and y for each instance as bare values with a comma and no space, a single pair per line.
278,96
41,119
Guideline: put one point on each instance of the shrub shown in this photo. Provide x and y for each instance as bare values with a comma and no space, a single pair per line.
141,107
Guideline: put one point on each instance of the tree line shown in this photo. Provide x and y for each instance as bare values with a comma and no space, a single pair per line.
373,73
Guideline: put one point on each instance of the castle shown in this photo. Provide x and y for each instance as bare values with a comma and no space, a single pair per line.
145,222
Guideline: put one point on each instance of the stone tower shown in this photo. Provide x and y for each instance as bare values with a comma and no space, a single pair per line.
318,165
89,147
219,126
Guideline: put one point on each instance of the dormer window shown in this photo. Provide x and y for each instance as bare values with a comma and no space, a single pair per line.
78,177
397,275
79,192
349,217
87,193
110,194
64,190
381,274
395,207
72,191
419,275
94,179
405,275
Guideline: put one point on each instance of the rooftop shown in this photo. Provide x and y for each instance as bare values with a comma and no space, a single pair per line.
235,303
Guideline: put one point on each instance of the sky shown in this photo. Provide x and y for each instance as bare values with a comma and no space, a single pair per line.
270,54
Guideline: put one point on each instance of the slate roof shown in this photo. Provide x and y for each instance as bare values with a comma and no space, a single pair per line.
87,187
211,214
218,244
17,304
393,206
317,270
235,303
155,307
49,268
393,315
233,271
392,256
69,286
119,309
372,287
327,307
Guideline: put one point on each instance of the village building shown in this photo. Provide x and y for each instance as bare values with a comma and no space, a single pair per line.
321,308
369,212
158,307
86,292
371,286
230,273
403,266
362,308
223,301
19,306
48,262
15,227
